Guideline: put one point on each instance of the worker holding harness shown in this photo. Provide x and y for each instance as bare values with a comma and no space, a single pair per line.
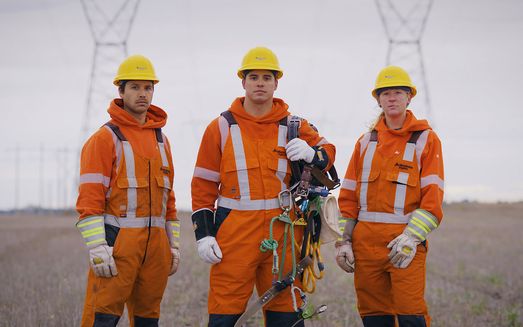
241,201
390,200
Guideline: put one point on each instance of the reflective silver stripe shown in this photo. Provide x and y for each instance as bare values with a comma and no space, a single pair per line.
401,193
367,166
383,217
95,178
420,146
118,153
282,135
132,201
364,142
92,230
135,222
282,171
244,204
117,147
432,179
349,184
322,141
207,174
166,182
241,163
408,155
224,130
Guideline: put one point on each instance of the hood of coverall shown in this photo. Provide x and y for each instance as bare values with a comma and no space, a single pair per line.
411,124
155,118
251,125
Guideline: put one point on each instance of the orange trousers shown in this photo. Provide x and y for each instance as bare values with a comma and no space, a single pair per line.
143,262
382,289
244,266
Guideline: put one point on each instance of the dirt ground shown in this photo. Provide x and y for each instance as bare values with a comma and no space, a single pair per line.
474,273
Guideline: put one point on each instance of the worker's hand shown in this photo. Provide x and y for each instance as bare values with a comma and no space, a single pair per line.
298,149
175,255
208,250
102,261
403,249
345,256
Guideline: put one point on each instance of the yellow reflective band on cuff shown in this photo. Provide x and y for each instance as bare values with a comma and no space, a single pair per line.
98,240
420,224
429,217
94,231
412,230
95,221
176,234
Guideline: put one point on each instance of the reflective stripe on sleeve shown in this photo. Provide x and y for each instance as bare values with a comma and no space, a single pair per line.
173,232
432,179
95,179
207,174
349,184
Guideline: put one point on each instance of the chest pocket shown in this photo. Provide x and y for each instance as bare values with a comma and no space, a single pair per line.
235,181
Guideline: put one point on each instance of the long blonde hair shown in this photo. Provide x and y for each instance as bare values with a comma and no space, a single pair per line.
373,124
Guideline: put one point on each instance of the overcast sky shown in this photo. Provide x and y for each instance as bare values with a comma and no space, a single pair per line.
330,51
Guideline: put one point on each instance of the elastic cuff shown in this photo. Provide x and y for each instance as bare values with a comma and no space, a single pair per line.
320,160
203,223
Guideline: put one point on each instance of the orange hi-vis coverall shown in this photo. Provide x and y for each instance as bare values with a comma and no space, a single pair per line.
391,173
126,177
242,168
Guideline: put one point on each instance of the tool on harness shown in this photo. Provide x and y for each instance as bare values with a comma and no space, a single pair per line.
278,287
310,312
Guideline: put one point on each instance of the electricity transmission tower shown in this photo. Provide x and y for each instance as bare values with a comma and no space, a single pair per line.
404,22
110,23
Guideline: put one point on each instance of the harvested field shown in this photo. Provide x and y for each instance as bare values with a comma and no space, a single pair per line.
475,273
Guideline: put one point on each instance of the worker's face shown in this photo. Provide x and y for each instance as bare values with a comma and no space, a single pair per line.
260,85
137,96
394,102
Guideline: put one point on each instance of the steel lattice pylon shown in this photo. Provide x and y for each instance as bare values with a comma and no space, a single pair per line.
110,23
404,22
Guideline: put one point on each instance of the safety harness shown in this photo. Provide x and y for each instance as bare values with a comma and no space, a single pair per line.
308,184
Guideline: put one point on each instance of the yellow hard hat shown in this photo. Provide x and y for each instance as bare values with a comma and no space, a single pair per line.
260,58
392,76
136,68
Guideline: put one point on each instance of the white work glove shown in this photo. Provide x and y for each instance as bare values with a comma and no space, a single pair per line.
208,250
345,256
175,257
403,249
298,149
102,261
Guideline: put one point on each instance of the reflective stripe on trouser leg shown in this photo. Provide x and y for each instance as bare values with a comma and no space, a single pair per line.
378,321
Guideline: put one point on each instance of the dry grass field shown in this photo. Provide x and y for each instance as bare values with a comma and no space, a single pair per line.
474,273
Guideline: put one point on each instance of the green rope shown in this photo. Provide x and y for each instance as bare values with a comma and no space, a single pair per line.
271,244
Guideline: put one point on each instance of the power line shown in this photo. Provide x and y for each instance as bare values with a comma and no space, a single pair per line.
404,22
